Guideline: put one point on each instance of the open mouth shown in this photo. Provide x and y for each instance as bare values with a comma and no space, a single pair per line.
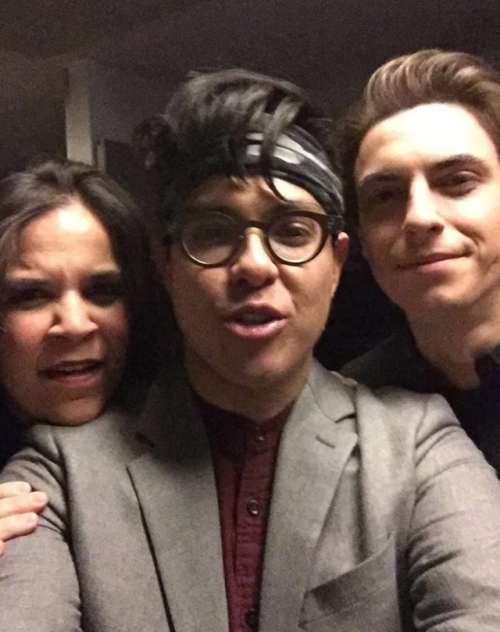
72,369
251,319
255,322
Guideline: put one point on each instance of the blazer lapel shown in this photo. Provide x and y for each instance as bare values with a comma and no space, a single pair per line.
175,486
312,457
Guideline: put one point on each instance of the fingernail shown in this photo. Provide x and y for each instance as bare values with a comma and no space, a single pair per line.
40,498
31,518
28,519
22,488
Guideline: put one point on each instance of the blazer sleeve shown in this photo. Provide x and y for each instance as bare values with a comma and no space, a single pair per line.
453,551
38,582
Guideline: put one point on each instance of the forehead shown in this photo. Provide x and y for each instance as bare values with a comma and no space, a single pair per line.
243,195
69,230
421,135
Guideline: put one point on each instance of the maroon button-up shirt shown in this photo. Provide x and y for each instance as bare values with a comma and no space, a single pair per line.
244,456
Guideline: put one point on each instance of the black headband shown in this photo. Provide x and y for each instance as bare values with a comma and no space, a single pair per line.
298,158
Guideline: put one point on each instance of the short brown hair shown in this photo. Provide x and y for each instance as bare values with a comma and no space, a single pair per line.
427,76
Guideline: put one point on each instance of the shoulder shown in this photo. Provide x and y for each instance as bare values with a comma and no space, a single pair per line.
389,405
390,418
50,451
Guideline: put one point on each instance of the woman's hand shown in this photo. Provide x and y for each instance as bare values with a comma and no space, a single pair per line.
19,508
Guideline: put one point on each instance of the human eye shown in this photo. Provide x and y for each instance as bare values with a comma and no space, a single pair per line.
210,235
294,230
459,183
381,195
380,199
26,295
209,232
104,290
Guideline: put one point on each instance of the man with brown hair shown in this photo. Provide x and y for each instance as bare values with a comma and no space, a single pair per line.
254,490
421,154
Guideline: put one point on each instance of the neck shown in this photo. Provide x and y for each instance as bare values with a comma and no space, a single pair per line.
257,399
452,341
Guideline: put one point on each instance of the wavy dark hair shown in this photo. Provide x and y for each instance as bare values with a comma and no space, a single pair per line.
46,186
207,120
427,76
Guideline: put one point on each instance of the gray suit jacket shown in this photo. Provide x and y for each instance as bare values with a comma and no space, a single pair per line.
384,518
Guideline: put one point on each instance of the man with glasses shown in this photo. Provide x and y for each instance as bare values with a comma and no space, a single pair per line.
256,490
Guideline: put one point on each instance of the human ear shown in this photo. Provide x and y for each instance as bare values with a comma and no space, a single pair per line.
341,249
340,252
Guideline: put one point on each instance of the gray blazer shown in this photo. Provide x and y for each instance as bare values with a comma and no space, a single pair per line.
384,518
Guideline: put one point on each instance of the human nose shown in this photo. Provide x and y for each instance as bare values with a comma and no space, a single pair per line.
253,263
423,209
73,318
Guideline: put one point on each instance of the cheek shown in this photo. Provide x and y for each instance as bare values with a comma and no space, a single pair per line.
314,287
193,289
23,333
114,328
21,343
376,244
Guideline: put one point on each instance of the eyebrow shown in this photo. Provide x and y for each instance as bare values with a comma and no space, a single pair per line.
280,206
393,175
461,160
21,280
107,275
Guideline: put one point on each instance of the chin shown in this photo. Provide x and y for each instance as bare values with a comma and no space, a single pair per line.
76,413
433,301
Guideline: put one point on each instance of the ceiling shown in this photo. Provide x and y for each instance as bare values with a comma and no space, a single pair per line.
309,40
328,46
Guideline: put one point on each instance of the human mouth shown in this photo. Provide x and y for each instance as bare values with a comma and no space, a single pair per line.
431,261
255,322
74,373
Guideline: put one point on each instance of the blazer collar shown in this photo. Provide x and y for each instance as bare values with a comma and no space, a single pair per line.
175,486
316,445
176,489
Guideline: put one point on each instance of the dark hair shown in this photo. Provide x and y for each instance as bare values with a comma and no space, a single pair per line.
427,76
41,188
204,129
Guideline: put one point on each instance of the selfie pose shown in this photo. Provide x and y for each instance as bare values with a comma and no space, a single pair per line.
423,168
254,490
75,279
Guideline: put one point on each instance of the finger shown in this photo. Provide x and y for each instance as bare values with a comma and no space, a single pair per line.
14,489
14,526
22,504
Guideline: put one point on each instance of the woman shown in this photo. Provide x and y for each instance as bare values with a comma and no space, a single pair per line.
78,306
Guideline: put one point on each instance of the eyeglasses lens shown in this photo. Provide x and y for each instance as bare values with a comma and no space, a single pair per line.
212,239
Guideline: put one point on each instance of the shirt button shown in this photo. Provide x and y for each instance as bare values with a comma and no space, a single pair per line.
252,618
259,437
253,508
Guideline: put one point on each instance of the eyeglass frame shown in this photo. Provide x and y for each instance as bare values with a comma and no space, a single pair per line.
328,225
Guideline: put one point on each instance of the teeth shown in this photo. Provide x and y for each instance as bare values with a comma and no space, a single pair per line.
73,369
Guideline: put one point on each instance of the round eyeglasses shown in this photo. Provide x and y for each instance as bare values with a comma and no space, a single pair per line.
293,238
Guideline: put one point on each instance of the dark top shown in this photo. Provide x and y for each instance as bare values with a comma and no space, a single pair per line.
10,435
398,362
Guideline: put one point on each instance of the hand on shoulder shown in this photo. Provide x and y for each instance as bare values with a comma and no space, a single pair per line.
19,508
